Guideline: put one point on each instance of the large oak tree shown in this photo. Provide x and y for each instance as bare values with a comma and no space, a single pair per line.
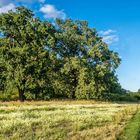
22,45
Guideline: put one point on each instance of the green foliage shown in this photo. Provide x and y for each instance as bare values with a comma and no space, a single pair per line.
87,66
23,54
9,94
128,97
67,59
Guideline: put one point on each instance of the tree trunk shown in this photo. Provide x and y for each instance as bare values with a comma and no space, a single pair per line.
73,94
74,83
21,95
36,96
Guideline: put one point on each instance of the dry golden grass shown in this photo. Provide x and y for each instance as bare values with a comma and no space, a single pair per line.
68,120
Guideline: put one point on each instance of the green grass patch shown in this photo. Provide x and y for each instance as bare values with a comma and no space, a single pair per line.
132,129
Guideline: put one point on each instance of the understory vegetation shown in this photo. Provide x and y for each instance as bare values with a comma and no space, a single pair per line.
66,120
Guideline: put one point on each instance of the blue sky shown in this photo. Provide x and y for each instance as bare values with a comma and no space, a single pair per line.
117,21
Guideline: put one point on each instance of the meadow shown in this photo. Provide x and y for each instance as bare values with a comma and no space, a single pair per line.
68,120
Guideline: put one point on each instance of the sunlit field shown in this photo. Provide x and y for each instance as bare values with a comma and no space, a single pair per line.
68,120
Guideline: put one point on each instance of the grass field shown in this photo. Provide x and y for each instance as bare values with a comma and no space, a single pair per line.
68,120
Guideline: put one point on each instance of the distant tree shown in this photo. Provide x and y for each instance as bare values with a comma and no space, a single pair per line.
138,90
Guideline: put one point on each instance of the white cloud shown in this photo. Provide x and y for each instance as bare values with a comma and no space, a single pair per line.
51,12
109,36
107,32
6,8
110,39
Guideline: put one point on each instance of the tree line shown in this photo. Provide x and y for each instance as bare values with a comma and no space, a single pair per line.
66,59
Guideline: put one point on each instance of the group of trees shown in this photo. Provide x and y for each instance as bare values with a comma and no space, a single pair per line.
64,59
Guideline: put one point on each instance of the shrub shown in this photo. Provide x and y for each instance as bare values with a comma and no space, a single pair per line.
123,97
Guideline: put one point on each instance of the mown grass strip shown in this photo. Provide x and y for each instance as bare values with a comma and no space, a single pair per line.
132,129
